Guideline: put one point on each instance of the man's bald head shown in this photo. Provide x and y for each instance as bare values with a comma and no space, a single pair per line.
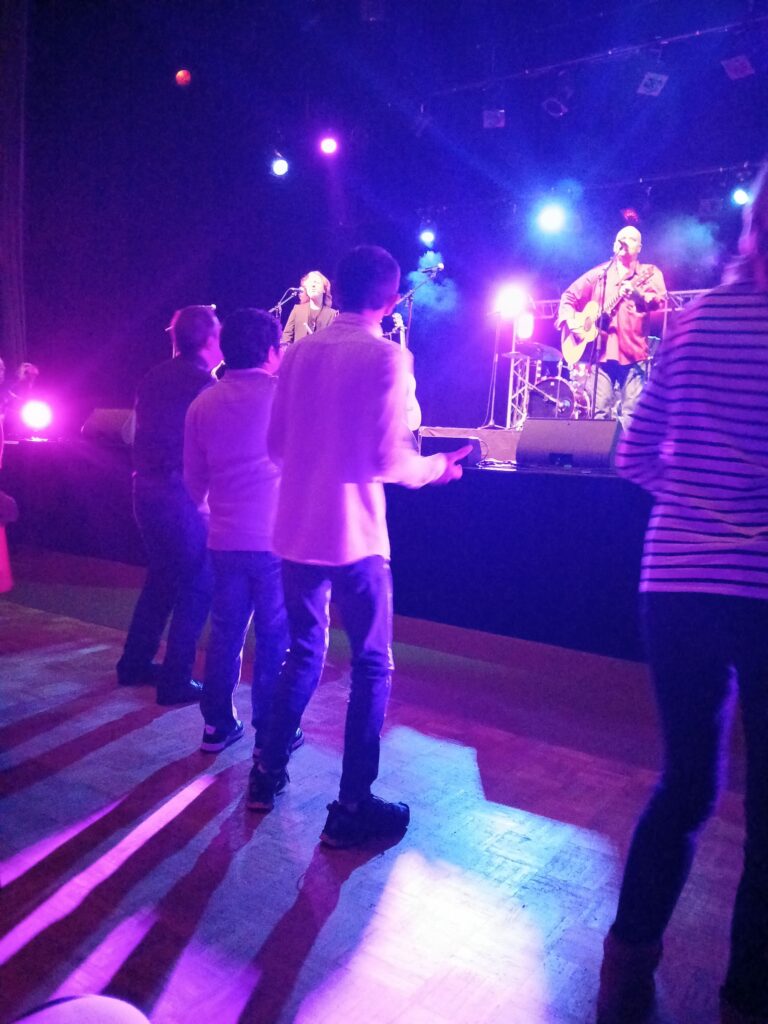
628,242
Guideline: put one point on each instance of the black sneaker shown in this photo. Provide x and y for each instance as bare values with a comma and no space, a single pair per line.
373,819
189,693
263,787
215,739
296,742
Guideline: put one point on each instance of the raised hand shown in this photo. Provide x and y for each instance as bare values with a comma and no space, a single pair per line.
453,470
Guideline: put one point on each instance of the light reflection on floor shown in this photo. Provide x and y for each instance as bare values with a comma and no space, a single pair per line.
144,875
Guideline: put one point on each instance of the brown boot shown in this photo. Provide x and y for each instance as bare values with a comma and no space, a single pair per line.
627,989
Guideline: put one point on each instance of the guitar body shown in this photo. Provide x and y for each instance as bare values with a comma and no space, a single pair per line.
586,322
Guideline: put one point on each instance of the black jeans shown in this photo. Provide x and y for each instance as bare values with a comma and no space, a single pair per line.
363,594
696,642
179,580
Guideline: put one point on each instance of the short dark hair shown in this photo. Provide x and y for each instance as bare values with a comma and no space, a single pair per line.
247,335
191,327
366,278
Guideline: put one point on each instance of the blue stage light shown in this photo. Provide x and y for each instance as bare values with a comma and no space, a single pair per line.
551,218
740,196
279,166
428,236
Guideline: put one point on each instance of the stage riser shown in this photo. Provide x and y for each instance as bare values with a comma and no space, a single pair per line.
551,557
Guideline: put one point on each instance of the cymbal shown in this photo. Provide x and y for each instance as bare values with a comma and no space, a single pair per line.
533,350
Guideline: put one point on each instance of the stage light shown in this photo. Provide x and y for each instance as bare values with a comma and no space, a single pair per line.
36,415
652,83
738,66
511,301
495,118
740,196
183,77
554,106
328,145
428,237
279,166
560,96
551,218
524,325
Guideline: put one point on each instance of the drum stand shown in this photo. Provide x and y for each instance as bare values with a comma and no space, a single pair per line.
561,399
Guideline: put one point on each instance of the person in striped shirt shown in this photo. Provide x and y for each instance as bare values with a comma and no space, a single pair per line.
699,443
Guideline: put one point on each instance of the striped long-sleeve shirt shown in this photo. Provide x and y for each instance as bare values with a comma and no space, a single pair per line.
699,443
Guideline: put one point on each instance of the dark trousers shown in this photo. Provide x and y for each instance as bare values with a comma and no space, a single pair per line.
247,585
179,580
363,593
696,642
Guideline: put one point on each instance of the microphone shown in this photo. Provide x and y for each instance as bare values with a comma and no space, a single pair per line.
432,270
294,291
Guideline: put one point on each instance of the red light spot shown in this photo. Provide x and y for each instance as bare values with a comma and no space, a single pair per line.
183,77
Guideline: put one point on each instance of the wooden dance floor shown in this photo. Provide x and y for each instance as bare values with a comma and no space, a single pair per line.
131,866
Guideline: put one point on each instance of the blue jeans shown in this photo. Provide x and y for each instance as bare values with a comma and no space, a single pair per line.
612,377
363,593
179,580
247,585
694,642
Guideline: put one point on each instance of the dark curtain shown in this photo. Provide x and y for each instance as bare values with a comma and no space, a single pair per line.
13,58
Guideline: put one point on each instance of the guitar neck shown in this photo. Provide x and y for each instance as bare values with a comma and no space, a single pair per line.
637,281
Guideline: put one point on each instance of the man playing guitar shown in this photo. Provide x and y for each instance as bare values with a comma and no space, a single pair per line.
624,291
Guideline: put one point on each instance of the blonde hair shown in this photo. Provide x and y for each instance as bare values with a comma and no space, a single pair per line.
753,244
327,300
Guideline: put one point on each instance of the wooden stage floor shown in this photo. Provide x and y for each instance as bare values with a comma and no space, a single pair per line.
130,864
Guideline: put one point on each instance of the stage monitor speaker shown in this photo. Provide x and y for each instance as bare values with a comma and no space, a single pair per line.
110,426
432,445
568,444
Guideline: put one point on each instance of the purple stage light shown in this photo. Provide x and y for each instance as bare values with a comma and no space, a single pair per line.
511,301
524,325
328,145
36,415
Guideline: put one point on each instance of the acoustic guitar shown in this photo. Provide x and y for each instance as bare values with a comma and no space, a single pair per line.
589,323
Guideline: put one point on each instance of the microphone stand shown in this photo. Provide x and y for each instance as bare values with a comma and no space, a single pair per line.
596,347
429,275
277,309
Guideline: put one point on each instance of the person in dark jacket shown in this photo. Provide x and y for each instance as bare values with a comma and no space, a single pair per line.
313,311
179,579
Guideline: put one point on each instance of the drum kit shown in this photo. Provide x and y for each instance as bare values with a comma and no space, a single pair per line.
564,394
